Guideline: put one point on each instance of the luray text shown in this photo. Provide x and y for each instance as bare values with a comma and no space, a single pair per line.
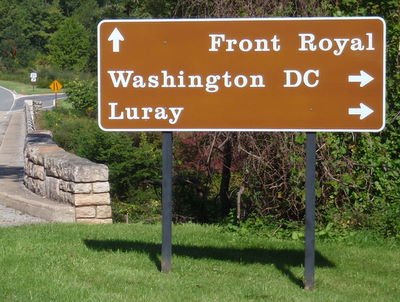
170,114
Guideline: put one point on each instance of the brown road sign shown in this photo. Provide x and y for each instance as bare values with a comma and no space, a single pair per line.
306,74
56,86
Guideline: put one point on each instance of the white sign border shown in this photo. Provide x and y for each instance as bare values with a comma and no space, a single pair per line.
238,129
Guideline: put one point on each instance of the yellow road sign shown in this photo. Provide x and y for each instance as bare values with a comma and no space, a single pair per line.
56,86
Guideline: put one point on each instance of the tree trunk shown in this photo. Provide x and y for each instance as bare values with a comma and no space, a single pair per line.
238,205
226,178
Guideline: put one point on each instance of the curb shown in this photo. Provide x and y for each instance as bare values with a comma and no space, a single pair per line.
28,203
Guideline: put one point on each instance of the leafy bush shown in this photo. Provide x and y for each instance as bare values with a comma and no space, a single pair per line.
69,46
46,75
82,94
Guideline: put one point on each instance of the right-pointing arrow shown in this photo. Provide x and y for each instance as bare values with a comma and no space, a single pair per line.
363,111
363,78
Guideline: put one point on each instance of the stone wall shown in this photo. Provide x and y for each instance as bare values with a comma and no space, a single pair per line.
58,175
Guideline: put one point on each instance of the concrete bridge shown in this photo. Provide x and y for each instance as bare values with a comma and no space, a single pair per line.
60,195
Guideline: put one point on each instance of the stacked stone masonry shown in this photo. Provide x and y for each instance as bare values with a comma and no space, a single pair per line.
58,175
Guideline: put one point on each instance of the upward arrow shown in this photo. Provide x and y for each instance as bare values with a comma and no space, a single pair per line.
363,78
115,37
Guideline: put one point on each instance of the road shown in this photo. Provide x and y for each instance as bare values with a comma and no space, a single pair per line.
6,99
12,102
9,103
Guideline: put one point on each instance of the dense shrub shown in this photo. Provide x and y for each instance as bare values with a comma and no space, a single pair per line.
83,96
69,46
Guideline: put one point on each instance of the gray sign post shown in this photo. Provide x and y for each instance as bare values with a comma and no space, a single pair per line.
166,249
309,261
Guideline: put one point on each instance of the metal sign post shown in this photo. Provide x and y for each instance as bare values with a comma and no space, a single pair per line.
166,249
56,86
309,261
33,76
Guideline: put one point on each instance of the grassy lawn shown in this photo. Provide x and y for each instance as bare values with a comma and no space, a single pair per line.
71,262
22,88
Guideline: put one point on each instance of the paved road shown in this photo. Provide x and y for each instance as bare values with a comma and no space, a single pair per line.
6,99
10,101
47,99
8,216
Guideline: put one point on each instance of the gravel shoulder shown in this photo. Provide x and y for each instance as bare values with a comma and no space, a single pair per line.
10,217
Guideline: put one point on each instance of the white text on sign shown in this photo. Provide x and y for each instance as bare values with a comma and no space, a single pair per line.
171,114
307,42
164,79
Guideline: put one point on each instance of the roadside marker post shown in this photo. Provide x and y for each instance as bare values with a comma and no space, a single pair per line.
33,75
280,74
56,86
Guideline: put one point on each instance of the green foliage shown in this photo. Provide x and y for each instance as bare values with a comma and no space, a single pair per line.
377,156
22,76
62,34
25,30
16,51
47,74
69,46
269,227
83,96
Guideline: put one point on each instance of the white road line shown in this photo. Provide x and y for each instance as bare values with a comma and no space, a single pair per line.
14,97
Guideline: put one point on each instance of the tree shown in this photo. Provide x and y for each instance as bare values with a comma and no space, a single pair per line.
68,6
15,49
25,30
69,46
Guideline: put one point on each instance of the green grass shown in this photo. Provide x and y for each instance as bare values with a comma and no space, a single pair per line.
22,88
121,262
